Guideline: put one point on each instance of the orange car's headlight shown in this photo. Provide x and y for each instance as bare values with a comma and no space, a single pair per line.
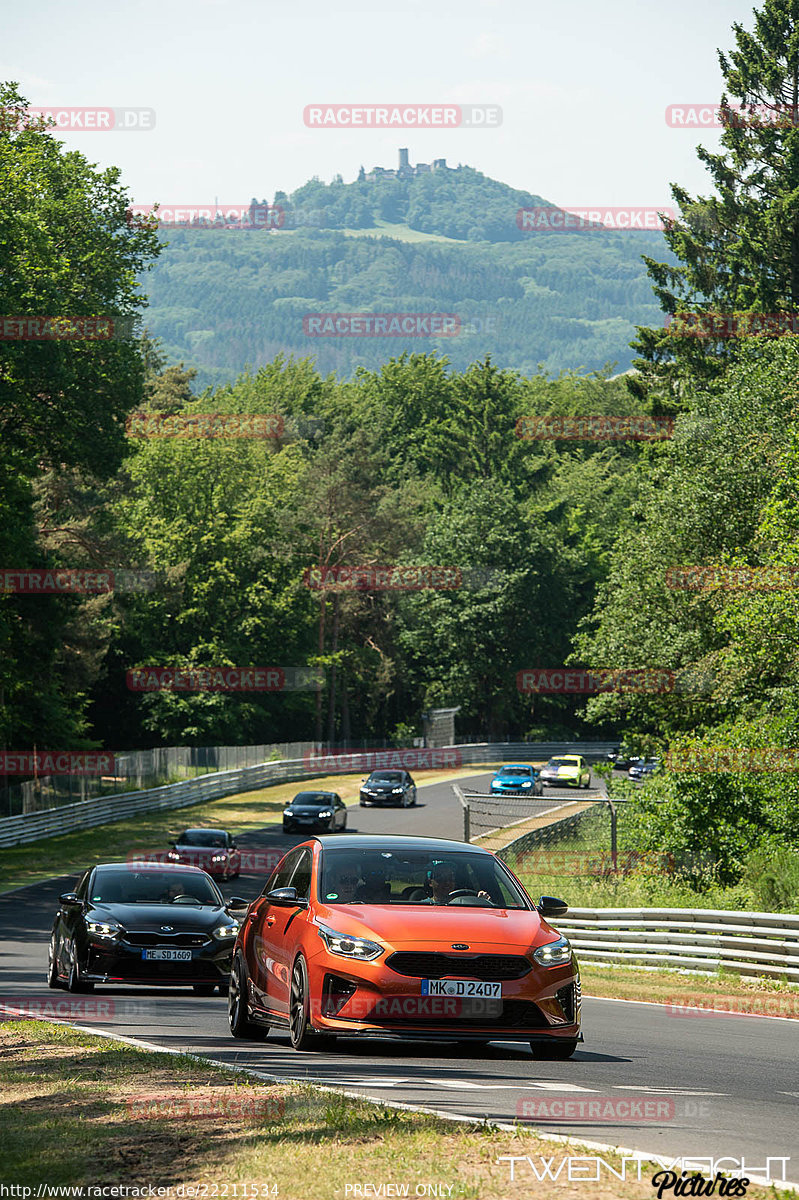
348,946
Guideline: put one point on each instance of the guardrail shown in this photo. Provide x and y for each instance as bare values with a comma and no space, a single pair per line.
749,943
85,814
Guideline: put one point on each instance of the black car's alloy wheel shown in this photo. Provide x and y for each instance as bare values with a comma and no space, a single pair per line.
52,967
74,982
240,1024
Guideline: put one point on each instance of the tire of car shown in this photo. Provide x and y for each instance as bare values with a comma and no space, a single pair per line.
240,1024
301,1034
74,982
362,803
554,1050
413,802
203,989
52,969
587,783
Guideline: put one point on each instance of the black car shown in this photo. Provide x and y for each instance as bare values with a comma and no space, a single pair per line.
622,759
388,787
315,811
143,923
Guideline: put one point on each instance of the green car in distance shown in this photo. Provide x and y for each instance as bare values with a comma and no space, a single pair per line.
566,770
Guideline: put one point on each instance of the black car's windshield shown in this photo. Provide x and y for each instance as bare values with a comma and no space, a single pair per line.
312,800
202,837
385,777
414,877
152,887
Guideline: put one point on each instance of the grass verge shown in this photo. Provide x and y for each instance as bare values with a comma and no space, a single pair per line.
81,1110
247,811
687,993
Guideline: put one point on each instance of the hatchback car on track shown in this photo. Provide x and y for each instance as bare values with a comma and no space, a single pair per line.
566,770
388,787
213,850
518,779
315,810
143,923
403,937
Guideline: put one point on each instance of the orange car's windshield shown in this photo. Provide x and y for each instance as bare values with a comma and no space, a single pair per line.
408,877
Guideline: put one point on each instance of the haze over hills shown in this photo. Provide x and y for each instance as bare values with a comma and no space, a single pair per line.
413,239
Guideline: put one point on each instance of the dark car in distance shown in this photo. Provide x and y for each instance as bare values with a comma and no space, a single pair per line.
643,768
311,811
213,850
388,787
144,924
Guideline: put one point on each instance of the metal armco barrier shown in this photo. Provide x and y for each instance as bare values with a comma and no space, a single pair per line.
703,939
32,827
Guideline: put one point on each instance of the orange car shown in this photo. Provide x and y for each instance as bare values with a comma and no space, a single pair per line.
403,937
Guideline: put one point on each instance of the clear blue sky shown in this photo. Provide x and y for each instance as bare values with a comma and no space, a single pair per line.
583,87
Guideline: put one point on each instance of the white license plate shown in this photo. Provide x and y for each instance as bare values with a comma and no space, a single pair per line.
167,955
461,987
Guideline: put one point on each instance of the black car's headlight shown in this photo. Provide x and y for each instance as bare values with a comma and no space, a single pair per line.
226,931
325,813
394,791
103,928
348,946
288,812
554,954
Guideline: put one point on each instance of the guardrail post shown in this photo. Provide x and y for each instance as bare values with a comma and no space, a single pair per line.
612,808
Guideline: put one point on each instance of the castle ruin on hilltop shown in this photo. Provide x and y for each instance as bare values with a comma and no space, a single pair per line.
405,170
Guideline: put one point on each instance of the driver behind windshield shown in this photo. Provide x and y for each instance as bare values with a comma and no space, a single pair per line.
442,884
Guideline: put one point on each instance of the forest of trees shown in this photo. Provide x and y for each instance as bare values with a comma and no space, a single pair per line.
221,300
564,545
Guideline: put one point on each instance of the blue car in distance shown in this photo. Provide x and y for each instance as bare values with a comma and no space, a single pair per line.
517,779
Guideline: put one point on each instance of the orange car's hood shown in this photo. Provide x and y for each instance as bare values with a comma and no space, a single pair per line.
482,929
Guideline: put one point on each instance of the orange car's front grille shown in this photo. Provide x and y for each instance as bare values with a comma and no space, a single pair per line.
487,967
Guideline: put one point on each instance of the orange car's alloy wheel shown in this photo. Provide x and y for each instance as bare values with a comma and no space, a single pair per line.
301,1034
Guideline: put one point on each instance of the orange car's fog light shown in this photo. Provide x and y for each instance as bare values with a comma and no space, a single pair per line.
335,994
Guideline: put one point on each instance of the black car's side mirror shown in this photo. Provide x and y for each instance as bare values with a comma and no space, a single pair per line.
550,906
286,898
237,902
69,899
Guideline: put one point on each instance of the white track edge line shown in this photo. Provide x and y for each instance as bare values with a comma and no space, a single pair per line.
563,1139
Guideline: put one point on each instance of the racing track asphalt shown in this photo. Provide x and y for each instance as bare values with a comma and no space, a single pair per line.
733,1081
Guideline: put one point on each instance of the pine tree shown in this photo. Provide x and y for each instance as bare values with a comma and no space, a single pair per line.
738,251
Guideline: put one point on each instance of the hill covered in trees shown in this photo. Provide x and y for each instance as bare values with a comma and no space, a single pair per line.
447,241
